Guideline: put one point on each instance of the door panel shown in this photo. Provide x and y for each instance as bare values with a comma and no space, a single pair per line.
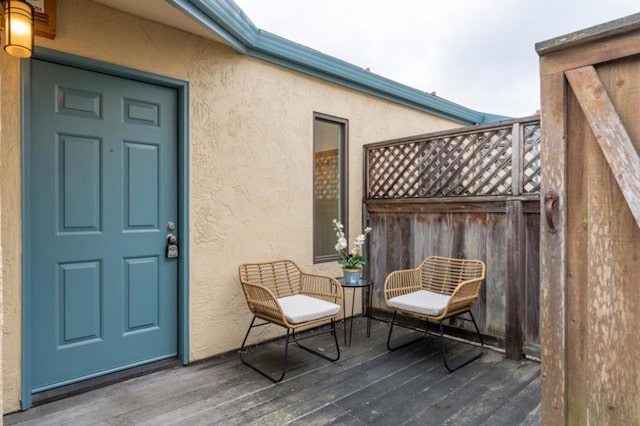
103,185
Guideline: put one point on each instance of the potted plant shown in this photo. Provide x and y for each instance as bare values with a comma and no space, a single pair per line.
351,260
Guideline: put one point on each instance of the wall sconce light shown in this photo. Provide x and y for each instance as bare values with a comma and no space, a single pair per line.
17,17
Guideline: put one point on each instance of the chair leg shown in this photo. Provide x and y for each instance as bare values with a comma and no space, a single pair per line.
332,330
473,358
291,336
284,355
393,322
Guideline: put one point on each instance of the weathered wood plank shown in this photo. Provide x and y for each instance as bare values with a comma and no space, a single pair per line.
552,252
477,397
613,245
580,146
516,159
517,410
610,133
377,249
496,283
474,246
426,393
613,372
532,282
599,51
589,35
516,251
451,204
482,408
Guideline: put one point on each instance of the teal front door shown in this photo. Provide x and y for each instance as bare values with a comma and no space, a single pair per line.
103,196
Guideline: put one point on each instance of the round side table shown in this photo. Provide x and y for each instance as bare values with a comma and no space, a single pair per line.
367,286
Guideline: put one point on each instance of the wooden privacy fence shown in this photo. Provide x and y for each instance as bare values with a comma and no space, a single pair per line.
468,193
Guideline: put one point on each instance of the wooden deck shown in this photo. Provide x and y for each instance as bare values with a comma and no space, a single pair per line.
367,386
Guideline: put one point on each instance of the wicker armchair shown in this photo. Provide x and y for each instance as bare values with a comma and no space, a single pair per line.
438,289
281,293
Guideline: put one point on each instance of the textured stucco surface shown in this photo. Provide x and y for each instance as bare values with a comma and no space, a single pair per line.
1,302
251,150
10,234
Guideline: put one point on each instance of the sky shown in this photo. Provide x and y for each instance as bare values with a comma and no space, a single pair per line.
477,53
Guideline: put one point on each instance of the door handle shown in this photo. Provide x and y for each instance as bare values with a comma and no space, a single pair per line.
549,199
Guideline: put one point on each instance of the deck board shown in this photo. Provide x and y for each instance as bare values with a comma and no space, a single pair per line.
368,385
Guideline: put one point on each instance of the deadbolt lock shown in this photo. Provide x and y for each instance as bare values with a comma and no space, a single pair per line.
172,246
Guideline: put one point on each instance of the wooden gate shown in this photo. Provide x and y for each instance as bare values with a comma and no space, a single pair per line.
590,241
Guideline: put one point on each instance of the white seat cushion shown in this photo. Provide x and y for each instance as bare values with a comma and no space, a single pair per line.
421,301
300,308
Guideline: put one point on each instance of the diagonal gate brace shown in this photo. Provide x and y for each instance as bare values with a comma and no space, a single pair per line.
609,131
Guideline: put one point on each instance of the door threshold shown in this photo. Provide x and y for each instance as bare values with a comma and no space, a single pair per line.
62,392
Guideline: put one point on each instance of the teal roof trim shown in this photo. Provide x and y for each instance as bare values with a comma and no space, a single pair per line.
229,22
493,118
278,50
237,35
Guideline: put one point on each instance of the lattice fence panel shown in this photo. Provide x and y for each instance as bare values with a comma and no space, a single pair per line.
395,171
454,165
531,163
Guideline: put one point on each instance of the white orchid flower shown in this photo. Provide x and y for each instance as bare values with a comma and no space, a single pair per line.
351,258
342,242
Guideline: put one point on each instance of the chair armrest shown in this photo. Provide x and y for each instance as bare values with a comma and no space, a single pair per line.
401,282
263,303
465,294
321,286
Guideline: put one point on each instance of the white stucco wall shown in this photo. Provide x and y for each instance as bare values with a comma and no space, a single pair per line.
251,151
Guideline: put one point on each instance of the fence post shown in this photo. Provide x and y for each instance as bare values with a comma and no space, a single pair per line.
517,154
515,280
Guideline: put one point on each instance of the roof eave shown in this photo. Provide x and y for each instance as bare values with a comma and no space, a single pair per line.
229,22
